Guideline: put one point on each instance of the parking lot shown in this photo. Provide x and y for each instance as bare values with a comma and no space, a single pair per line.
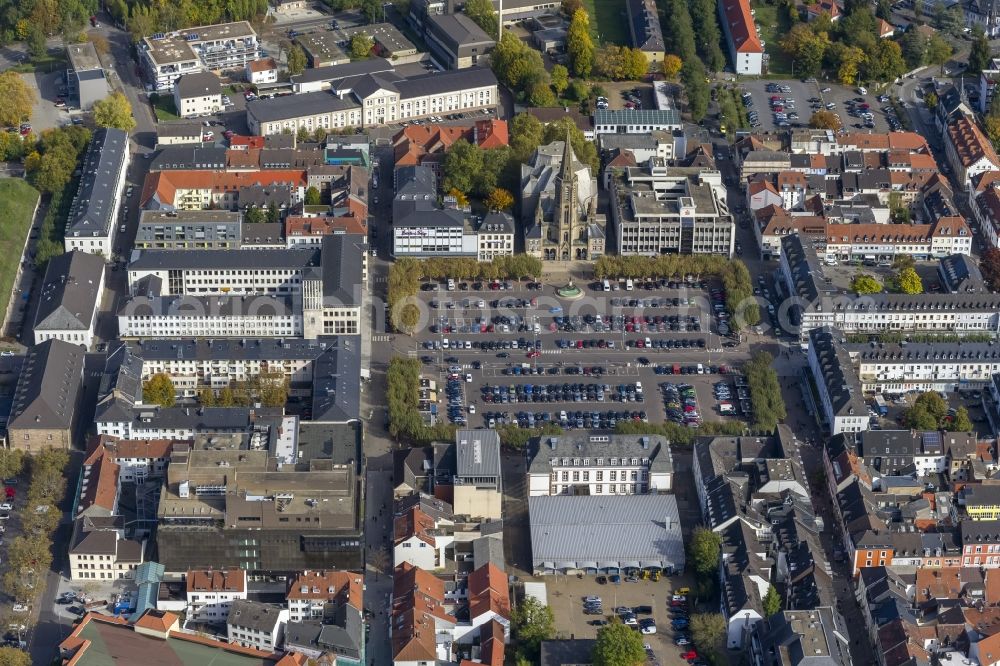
526,356
803,99
566,596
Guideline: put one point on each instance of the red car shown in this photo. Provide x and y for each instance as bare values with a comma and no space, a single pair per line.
10,492
778,108
690,655
534,354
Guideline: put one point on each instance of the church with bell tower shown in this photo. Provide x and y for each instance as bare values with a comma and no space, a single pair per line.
559,206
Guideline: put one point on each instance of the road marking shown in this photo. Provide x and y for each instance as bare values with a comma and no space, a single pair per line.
552,351
380,338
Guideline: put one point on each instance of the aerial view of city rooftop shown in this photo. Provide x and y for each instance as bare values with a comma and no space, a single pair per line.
417,333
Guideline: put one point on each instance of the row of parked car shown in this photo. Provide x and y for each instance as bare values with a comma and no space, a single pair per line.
657,343
455,392
680,401
566,418
566,392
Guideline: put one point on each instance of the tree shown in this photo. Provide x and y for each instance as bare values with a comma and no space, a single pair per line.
379,559
886,62
484,15
949,20
460,166
253,215
961,421
851,58
931,100
361,45
909,282
100,44
824,120
159,390
569,7
807,48
989,264
928,412
560,78
618,645
313,197
273,215
11,462
707,630
114,111
991,124
460,199
531,623
704,18
671,66
704,550
771,601
409,317
865,284
525,136
297,60
36,43
499,199
11,656
579,44
540,94
939,51
695,88
902,261
18,99
914,47
979,55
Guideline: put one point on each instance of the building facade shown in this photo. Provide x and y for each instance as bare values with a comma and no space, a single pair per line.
70,298
256,625
165,57
197,94
93,216
590,464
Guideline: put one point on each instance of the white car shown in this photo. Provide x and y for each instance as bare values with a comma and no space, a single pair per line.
6,506
679,597
20,608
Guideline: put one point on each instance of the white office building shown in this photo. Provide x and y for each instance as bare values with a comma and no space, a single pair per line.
225,47
93,217
256,625
840,395
581,463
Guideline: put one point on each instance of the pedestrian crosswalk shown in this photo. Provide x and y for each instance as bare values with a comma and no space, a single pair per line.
380,338
552,351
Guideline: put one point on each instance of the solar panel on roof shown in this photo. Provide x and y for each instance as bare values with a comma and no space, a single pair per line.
192,37
159,35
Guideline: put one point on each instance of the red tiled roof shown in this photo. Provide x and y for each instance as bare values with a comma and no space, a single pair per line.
164,184
488,592
216,580
885,29
343,586
831,8
970,144
417,599
413,523
135,448
155,620
353,223
246,142
741,26
262,65
883,233
100,481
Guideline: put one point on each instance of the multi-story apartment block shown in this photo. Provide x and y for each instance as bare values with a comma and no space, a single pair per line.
660,209
636,121
138,460
70,297
257,625
969,151
456,40
46,400
93,217
211,593
981,501
901,368
165,57
189,230
591,464
813,636
99,551
308,292
820,303
745,46
191,189
883,242
370,100
311,593
197,94
980,541
840,397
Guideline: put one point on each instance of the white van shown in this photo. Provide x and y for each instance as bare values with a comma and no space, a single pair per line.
607,286
451,285
445,344
538,328
701,369
628,285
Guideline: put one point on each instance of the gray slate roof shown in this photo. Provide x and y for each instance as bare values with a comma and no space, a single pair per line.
606,531
161,260
93,207
48,387
200,84
337,72
458,30
342,257
298,106
336,395
70,293
588,445
253,615
435,83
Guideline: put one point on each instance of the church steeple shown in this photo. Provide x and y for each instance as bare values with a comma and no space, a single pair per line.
566,172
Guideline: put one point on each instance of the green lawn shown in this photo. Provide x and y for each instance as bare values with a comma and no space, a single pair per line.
609,21
17,203
773,26
164,107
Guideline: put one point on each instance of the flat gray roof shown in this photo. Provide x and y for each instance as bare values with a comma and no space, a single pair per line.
477,453
179,46
605,532
83,57
161,260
